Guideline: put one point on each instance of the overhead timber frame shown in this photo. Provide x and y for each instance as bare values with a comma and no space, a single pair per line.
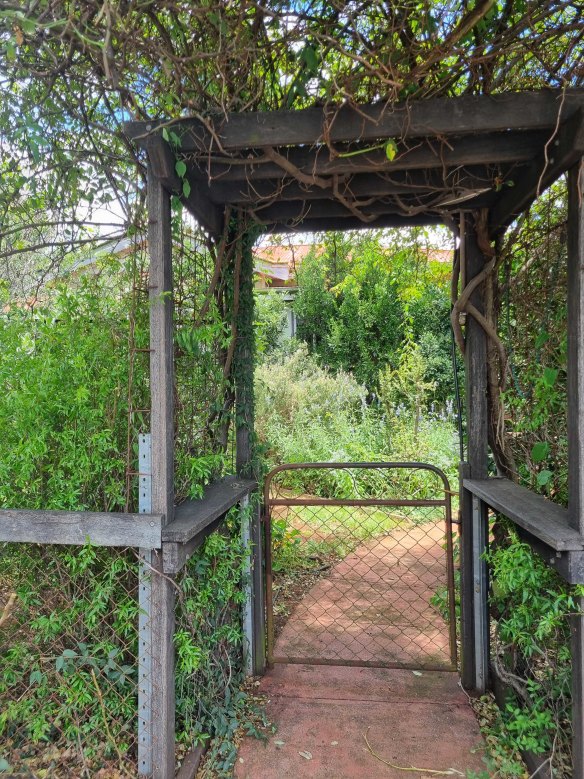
463,162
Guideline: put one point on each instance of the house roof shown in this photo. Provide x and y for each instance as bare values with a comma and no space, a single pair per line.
276,264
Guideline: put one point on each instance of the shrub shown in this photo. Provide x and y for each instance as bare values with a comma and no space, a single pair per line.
64,424
308,414
63,408
270,320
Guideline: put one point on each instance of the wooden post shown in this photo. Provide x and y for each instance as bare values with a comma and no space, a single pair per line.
576,434
474,627
162,430
243,366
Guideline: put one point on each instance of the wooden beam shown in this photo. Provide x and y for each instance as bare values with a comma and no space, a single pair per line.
80,527
360,185
576,434
569,565
162,163
325,224
192,516
503,148
244,363
414,119
576,347
162,430
176,555
190,764
475,358
253,607
296,211
563,152
198,203
473,528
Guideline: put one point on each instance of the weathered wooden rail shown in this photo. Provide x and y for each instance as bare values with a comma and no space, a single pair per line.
81,527
193,521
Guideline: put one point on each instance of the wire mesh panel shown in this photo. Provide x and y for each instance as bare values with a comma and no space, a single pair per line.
69,648
360,565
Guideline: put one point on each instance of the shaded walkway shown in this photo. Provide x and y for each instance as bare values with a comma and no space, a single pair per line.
374,606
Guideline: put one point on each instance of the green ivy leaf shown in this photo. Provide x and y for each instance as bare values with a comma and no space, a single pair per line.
310,57
542,339
390,149
181,168
544,477
540,451
28,26
36,677
186,188
165,134
550,376
69,653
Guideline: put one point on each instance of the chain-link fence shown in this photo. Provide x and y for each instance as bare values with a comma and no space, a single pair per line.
77,678
69,648
361,569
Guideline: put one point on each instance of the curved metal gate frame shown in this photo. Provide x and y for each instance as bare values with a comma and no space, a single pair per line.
444,501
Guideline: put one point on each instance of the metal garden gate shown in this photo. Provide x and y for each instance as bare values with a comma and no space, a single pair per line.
360,565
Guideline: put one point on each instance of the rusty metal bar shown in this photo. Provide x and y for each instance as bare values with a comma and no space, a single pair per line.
269,583
450,584
356,503
413,466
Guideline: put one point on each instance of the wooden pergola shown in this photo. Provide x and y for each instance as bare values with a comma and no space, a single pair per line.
437,161
329,168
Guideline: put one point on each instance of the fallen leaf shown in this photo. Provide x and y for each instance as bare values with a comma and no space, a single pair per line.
306,755
334,743
279,744
417,673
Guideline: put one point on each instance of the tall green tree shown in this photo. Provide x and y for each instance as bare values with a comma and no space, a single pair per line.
361,298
